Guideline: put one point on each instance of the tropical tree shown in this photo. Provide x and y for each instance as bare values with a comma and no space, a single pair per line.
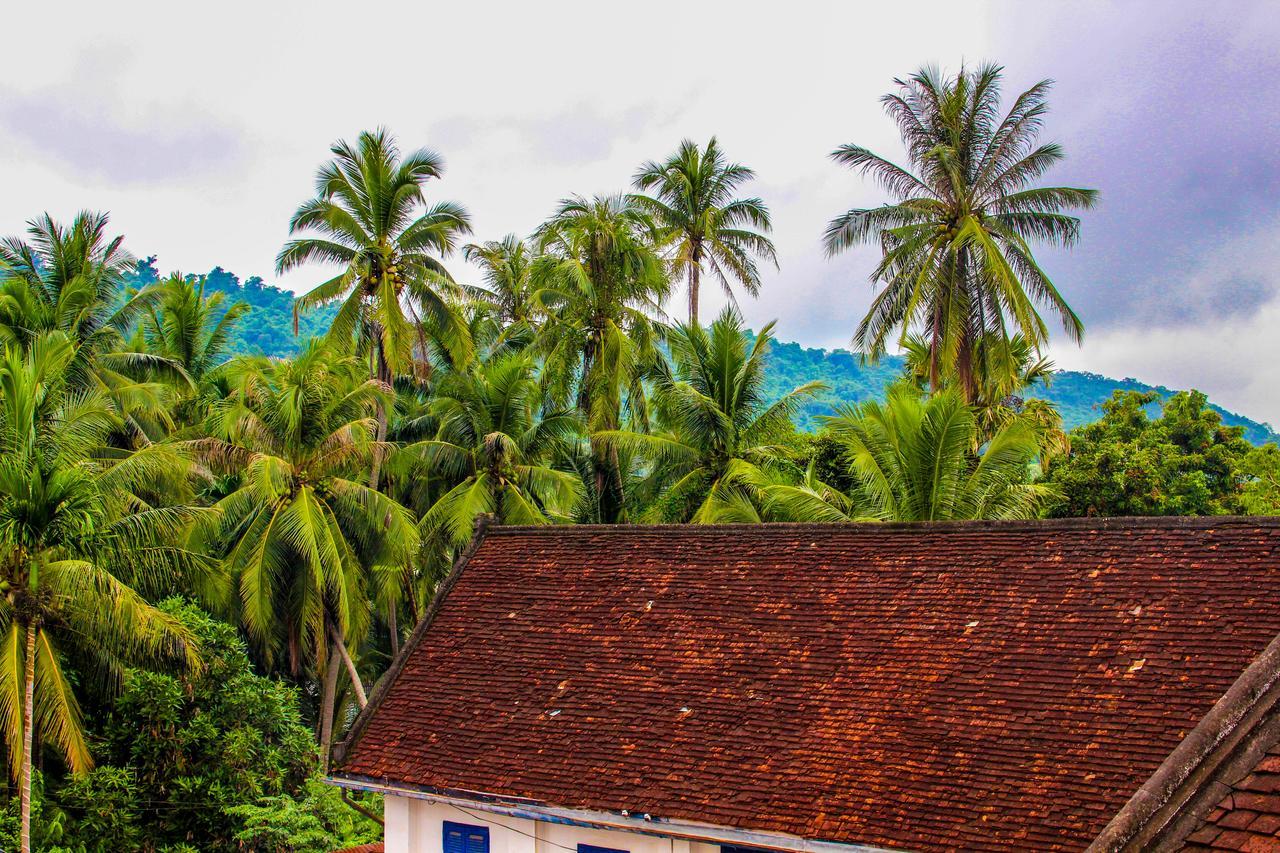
957,263
76,539
71,279
506,265
493,446
306,542
912,458
371,217
703,221
189,328
720,445
602,284
1182,461
1015,369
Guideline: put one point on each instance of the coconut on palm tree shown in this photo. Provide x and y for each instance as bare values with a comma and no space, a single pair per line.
76,539
602,284
718,448
307,542
957,237
912,458
370,216
705,224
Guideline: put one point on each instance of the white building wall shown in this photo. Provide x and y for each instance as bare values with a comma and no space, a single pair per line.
417,826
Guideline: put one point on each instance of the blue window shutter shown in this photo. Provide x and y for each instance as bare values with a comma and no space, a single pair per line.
465,838
591,848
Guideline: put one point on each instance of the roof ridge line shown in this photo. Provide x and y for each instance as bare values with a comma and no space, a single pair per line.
1135,522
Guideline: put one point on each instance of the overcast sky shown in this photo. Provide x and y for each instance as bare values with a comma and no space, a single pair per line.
199,127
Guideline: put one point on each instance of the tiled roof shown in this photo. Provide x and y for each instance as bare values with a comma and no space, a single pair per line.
1248,818
375,847
927,687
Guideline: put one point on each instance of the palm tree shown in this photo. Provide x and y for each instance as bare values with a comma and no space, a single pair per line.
693,201
75,538
193,332
1014,369
957,263
189,328
506,265
370,216
718,451
305,541
602,284
913,459
493,447
72,279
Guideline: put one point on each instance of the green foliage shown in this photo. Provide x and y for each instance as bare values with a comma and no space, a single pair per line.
1183,462
919,458
318,822
266,327
197,758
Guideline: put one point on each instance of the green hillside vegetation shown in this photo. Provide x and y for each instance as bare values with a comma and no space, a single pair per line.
267,329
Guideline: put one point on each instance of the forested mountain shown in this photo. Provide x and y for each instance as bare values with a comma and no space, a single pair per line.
268,329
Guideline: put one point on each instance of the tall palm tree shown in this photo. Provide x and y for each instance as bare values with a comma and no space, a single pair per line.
694,201
718,450
75,538
371,217
957,262
913,459
306,541
602,285
494,447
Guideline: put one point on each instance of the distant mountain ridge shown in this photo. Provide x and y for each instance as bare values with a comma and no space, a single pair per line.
1078,395
268,329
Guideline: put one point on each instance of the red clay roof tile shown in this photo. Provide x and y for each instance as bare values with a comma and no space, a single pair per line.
925,687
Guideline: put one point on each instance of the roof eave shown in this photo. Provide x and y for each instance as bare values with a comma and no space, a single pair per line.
645,825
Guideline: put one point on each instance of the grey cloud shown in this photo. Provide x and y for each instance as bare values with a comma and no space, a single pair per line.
1172,115
81,124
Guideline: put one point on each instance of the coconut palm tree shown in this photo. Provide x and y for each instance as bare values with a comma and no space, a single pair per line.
913,459
694,202
957,262
193,332
1014,369
307,543
602,284
189,328
494,446
76,538
370,216
718,449
506,265
71,279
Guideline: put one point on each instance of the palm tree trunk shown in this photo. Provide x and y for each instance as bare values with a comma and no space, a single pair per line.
393,628
379,370
28,738
350,664
695,271
327,700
